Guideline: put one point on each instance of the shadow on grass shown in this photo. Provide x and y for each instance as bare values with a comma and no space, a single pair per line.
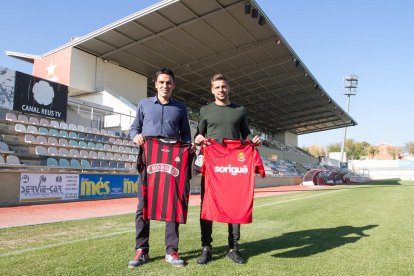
296,244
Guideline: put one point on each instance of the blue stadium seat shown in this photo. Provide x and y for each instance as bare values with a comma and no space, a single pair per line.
85,164
82,135
73,143
74,163
52,162
19,128
83,144
104,164
95,164
43,130
53,132
73,135
91,145
90,137
64,162
63,133
4,147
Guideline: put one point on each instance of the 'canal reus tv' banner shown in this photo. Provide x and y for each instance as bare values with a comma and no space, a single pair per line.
39,96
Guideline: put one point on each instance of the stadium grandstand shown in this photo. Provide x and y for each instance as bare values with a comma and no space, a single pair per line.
64,129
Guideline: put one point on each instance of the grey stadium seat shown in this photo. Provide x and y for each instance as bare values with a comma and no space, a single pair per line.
12,160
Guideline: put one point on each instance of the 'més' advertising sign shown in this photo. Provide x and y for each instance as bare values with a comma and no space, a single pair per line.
39,96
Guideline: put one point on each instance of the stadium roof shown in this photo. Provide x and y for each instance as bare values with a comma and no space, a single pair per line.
197,39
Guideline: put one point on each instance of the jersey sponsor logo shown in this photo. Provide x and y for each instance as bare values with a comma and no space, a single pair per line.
161,167
231,170
200,160
241,156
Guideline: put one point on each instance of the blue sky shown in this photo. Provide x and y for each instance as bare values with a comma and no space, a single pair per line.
373,39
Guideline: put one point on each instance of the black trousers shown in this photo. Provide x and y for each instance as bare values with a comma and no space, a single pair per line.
207,231
142,228
206,227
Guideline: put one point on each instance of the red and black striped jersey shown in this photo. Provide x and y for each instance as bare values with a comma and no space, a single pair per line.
165,180
229,177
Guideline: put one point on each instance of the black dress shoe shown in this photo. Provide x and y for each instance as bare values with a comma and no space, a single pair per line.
205,255
234,255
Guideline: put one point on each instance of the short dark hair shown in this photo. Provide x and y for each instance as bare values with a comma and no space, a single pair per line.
217,77
166,71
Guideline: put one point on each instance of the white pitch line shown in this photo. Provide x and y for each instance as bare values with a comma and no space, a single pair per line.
17,252
30,249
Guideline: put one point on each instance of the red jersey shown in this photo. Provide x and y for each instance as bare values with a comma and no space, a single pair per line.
229,178
165,180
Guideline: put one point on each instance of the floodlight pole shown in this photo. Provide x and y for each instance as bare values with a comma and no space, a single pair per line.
350,84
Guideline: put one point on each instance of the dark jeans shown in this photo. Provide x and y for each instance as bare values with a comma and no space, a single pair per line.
207,228
142,228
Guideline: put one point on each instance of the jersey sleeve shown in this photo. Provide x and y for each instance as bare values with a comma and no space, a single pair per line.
258,164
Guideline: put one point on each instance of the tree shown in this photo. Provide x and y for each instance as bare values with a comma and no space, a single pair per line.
334,147
314,150
372,151
410,147
393,151
354,150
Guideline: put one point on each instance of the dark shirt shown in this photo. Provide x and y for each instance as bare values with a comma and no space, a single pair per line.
221,122
161,120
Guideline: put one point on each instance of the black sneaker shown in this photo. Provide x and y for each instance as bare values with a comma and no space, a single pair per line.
139,259
234,255
205,255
